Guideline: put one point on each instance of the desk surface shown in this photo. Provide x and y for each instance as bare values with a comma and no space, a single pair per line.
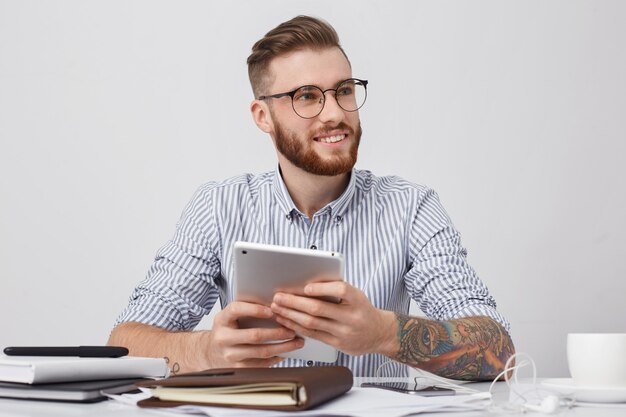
23,408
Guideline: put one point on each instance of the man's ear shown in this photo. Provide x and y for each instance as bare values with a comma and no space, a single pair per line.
261,116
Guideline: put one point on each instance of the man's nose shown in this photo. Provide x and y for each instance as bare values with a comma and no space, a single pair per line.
331,112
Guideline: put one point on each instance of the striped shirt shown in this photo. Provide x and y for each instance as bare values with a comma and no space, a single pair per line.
397,241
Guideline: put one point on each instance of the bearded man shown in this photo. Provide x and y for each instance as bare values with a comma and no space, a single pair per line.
397,241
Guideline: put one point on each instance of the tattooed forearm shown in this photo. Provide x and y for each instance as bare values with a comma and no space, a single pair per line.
472,348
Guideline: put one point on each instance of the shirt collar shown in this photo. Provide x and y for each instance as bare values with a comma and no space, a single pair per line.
334,208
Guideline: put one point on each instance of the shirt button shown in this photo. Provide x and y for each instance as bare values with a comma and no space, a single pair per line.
313,247
309,363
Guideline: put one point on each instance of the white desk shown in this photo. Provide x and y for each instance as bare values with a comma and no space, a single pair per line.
23,408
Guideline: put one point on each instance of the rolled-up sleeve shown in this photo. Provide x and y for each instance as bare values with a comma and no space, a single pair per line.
180,287
439,278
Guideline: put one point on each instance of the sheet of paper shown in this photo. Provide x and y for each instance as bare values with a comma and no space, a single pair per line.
362,402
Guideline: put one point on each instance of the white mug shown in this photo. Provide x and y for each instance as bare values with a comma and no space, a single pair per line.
597,359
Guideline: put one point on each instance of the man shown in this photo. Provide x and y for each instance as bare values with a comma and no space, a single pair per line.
397,241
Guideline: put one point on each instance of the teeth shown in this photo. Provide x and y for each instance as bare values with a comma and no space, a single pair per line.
332,139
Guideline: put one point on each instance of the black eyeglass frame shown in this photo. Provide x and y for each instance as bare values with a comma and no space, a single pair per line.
293,93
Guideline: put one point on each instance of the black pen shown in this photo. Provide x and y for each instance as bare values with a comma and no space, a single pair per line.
81,351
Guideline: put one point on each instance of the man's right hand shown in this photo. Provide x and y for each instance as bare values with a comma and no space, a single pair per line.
227,345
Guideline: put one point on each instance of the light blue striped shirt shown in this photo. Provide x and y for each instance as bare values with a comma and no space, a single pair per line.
396,238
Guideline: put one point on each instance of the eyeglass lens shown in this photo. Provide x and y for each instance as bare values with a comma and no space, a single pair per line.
308,101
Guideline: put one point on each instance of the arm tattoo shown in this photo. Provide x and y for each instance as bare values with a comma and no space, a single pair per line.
472,348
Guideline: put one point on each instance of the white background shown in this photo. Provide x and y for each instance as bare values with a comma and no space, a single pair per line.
112,113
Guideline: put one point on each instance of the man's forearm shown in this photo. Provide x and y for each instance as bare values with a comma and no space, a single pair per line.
181,348
472,348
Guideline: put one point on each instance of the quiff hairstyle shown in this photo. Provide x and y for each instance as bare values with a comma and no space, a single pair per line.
301,32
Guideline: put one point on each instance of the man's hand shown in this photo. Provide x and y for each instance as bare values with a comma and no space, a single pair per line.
354,326
226,345
230,346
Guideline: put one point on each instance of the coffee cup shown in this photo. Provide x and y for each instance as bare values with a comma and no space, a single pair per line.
597,359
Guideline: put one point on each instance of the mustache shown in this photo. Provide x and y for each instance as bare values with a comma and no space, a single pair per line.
328,129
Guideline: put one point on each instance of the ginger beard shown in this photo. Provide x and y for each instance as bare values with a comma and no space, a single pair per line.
300,152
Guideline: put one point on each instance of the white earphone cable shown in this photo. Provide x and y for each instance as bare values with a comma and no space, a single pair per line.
543,401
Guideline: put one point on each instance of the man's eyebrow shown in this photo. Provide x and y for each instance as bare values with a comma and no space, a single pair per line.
337,84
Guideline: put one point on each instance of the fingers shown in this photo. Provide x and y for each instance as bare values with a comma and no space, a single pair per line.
235,347
244,355
237,309
304,315
298,319
308,332
311,306
337,289
257,335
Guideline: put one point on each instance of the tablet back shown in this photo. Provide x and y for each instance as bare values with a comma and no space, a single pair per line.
262,270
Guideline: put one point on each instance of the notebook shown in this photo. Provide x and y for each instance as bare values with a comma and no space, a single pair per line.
85,391
284,389
48,369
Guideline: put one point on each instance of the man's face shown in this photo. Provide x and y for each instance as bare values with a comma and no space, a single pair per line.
326,144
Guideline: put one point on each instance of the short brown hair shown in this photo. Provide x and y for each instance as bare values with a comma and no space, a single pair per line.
301,32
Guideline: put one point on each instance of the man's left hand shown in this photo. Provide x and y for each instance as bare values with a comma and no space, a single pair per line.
354,326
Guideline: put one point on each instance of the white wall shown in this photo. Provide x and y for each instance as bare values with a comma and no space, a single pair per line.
113,112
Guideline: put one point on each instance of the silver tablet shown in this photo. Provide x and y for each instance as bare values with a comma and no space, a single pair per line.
262,270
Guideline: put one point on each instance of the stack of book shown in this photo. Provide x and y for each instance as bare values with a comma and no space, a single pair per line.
79,379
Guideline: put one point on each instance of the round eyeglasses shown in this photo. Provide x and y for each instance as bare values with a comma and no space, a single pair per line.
308,101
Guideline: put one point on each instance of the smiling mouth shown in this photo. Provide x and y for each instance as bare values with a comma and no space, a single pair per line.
331,139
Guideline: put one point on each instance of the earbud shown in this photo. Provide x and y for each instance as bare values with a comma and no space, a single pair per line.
548,406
